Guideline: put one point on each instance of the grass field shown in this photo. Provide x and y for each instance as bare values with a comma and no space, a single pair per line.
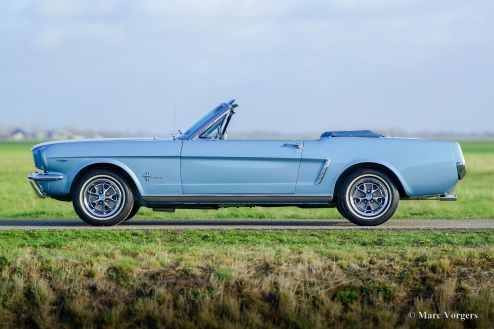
476,195
244,279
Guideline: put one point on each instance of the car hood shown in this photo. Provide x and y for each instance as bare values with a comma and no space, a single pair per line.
99,140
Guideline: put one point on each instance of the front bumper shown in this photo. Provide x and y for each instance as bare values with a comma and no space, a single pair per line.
35,179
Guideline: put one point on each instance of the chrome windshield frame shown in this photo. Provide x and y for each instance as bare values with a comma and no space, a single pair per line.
219,118
226,110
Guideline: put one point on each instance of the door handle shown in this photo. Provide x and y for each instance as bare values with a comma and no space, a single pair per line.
296,145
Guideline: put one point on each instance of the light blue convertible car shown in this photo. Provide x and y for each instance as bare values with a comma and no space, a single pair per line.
361,173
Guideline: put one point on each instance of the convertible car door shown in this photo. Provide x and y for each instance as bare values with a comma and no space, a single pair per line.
240,166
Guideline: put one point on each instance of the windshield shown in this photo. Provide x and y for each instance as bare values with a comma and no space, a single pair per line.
203,120
213,132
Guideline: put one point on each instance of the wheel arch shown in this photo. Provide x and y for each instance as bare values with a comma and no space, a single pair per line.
371,165
128,176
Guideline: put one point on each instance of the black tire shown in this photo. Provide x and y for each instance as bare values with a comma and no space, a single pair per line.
342,211
99,190
373,206
135,210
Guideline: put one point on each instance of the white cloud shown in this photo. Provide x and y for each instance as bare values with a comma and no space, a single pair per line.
157,7
106,6
50,38
224,9
69,9
106,33
61,8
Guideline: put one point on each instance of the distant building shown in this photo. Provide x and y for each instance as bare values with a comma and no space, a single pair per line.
18,135
60,134
40,135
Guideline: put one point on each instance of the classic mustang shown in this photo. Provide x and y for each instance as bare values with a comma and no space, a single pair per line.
363,174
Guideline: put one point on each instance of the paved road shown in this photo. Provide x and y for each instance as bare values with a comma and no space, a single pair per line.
251,224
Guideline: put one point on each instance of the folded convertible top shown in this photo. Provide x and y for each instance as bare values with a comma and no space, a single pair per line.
355,133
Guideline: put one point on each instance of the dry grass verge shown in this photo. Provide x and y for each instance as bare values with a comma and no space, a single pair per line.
244,279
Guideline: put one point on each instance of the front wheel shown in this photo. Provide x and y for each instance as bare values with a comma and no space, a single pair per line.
135,210
102,198
367,197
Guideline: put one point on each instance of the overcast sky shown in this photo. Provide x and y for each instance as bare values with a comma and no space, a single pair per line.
304,65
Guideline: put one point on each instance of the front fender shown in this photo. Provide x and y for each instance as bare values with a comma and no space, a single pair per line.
71,169
107,161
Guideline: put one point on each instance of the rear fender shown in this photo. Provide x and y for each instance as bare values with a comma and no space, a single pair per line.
400,181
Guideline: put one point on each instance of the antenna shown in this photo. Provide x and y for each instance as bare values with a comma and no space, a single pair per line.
174,113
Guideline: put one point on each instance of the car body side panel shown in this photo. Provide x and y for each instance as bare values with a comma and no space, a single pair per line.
159,160
423,167
254,167
239,166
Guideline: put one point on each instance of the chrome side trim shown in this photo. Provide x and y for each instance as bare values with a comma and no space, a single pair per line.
239,199
38,177
322,173
293,145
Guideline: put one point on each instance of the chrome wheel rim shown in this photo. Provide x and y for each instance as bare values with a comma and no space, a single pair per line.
369,196
103,197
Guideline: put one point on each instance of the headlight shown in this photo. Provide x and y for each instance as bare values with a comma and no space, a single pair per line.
38,158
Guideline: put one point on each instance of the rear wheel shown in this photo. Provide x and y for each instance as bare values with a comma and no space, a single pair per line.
367,197
102,198
342,211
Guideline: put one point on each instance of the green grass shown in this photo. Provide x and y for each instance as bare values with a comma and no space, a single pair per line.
476,195
183,240
244,279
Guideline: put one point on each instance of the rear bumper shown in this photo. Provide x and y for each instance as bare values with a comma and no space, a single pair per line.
448,197
36,178
441,197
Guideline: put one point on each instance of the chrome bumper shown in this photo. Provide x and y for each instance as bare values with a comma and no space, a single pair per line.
448,197
35,178
440,197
